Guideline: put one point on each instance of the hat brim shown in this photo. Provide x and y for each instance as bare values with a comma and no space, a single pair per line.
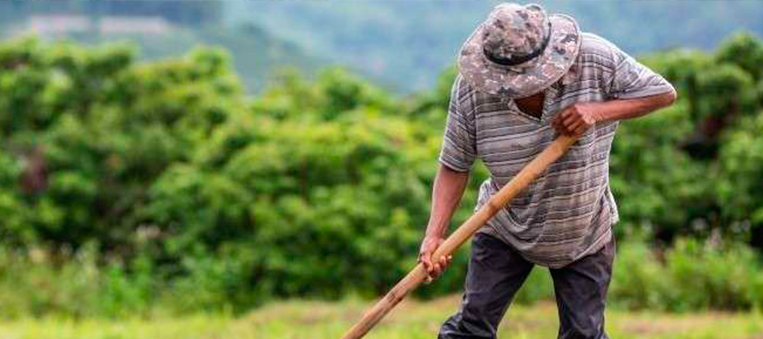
525,79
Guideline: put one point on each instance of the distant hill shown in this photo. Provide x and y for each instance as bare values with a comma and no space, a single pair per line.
186,13
408,43
257,55
160,29
403,45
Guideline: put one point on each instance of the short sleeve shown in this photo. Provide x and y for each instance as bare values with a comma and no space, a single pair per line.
631,79
459,144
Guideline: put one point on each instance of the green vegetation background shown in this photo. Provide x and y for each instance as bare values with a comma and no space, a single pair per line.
130,186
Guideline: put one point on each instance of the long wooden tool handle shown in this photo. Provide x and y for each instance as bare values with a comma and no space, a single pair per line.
463,233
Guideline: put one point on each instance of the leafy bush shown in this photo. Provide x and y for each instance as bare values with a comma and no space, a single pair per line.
740,176
693,275
163,181
37,284
744,50
645,152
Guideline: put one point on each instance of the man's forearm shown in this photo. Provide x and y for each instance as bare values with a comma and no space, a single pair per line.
631,108
579,117
448,188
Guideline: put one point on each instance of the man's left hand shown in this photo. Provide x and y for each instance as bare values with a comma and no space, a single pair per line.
575,119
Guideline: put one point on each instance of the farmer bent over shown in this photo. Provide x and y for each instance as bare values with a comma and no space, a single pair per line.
524,77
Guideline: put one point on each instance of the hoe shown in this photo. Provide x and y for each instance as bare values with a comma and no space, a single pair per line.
463,233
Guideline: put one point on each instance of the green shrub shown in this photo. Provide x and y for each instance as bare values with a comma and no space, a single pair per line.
740,175
693,275
744,50
655,182
13,225
709,277
162,181
38,284
638,279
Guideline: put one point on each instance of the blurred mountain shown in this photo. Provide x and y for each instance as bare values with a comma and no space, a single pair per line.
256,54
408,43
159,29
403,45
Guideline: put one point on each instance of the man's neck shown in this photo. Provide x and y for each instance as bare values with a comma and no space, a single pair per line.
532,105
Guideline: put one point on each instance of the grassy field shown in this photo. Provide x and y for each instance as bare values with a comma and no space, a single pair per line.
411,320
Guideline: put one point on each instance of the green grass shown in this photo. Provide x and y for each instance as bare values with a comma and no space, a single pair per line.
411,320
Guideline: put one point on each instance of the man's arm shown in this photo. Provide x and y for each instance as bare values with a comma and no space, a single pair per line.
448,189
633,90
577,118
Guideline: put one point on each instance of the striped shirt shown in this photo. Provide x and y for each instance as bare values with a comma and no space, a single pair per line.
568,211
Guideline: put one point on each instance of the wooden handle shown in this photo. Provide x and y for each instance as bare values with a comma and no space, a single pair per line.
463,233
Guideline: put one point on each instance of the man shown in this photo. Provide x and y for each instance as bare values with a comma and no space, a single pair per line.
525,77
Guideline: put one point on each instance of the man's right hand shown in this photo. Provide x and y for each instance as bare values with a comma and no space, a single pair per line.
448,187
434,268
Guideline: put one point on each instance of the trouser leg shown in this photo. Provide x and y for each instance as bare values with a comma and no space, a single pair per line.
581,292
494,275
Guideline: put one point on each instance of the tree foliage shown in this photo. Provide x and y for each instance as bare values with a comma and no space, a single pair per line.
314,187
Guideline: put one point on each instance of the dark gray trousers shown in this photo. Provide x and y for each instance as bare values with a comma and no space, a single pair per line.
496,271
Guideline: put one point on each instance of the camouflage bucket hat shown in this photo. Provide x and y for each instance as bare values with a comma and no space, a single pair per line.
519,50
